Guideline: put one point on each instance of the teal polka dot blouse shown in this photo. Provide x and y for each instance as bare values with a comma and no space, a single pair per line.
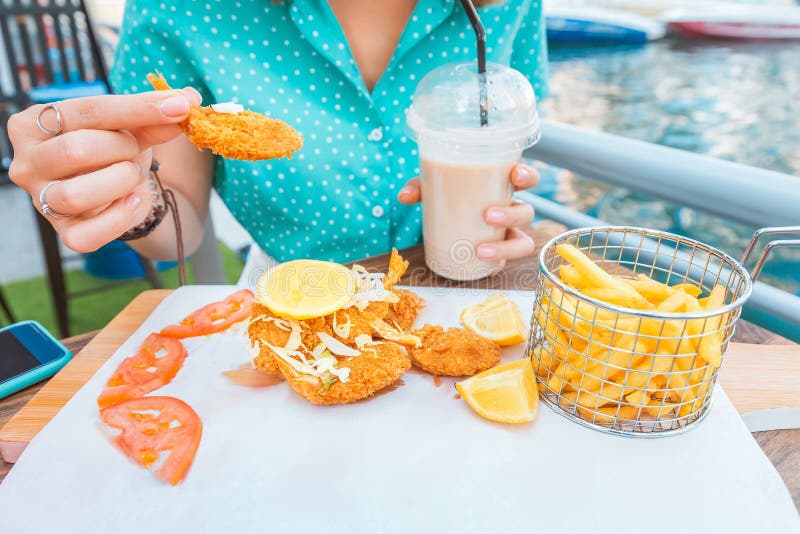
336,199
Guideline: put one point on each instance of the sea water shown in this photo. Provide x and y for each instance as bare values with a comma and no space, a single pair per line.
738,101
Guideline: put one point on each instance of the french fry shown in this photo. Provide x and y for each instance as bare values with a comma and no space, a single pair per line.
674,303
623,351
594,274
598,381
660,408
578,318
593,401
692,329
572,277
710,346
615,296
653,365
692,304
610,414
543,361
687,386
689,289
599,389
586,267
651,290
700,378
572,399
576,372
560,341
572,366
677,388
566,316
575,358
638,397
691,405
655,407
549,325
557,381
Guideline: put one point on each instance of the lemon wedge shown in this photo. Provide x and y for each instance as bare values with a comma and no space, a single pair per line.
302,289
497,319
505,393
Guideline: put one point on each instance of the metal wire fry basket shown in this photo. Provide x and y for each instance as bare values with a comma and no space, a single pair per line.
626,371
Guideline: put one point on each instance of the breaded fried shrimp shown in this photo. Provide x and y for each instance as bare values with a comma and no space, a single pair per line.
245,135
406,310
453,351
380,366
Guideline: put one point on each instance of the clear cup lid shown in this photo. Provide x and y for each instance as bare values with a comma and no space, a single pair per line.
446,109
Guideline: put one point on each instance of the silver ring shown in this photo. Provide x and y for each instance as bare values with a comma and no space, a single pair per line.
44,128
45,207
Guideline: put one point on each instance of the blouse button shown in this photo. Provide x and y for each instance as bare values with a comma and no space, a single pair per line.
376,134
377,212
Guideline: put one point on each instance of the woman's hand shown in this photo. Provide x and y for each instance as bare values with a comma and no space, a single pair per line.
100,161
517,243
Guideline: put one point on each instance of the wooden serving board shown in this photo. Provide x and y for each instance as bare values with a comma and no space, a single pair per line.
755,377
23,426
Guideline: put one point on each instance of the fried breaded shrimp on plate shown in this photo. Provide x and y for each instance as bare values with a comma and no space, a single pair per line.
453,351
351,322
378,366
243,135
266,328
406,310
339,356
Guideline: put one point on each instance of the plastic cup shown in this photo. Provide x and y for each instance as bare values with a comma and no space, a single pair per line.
465,168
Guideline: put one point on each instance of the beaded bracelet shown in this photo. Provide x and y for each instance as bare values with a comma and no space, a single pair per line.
162,200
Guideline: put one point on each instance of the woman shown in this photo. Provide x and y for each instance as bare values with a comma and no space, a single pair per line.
340,71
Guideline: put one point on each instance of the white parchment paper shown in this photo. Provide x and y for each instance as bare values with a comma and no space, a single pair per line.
413,460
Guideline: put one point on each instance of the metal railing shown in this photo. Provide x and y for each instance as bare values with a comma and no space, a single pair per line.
736,192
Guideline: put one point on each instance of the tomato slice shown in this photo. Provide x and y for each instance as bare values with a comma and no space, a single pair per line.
155,425
215,317
158,361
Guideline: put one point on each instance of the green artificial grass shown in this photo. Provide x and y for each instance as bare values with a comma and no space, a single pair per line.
30,299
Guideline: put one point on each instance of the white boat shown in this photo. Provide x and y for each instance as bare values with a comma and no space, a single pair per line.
655,8
593,24
733,21
651,8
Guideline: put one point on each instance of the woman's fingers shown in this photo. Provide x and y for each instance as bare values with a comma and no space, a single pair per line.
99,156
86,234
517,244
524,177
90,191
80,152
411,193
40,156
517,214
107,112
151,136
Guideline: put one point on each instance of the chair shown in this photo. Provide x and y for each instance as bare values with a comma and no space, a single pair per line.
6,308
46,43
51,54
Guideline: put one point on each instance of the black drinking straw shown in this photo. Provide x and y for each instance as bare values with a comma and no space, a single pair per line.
480,37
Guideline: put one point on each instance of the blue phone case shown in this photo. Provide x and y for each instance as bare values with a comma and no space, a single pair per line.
37,374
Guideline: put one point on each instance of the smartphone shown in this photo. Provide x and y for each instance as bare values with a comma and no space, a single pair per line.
28,354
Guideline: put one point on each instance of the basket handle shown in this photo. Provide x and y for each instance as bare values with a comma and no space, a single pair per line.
772,245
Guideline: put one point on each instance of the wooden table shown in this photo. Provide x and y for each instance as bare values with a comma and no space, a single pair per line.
781,446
